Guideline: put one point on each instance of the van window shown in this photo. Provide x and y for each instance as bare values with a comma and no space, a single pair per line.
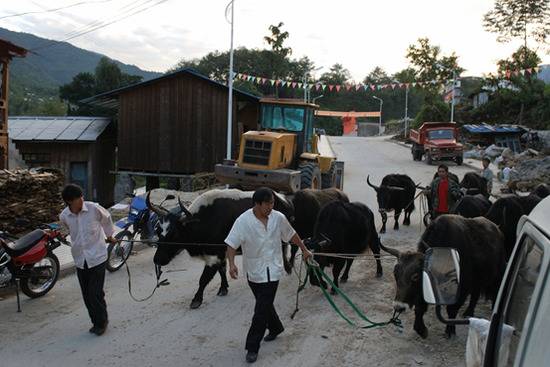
525,278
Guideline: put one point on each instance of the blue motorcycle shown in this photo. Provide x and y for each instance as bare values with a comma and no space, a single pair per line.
138,225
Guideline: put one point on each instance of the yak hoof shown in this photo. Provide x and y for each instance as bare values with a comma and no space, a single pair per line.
195,304
423,332
450,331
344,280
382,230
222,292
379,274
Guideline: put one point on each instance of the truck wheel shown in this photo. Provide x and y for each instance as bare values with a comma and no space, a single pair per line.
310,176
459,160
429,158
327,179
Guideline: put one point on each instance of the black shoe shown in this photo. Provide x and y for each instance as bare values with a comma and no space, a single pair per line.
271,336
99,330
251,357
92,329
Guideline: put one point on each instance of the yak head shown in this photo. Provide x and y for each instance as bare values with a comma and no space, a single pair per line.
172,229
384,194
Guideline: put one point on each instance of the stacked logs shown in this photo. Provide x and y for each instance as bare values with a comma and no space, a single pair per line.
29,198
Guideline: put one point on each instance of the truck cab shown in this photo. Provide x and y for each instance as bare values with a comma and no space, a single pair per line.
519,330
437,141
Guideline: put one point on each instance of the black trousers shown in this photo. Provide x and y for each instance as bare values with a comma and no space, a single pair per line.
91,284
265,316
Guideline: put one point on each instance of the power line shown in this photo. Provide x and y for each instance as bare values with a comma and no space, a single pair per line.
101,24
55,9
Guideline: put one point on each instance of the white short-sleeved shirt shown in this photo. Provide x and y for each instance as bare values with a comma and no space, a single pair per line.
261,246
88,230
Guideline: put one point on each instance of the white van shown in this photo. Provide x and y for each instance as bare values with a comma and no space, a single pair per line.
518,333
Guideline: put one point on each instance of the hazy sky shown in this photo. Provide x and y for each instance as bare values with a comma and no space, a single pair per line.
358,34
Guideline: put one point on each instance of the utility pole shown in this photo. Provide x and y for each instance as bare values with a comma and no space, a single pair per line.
230,98
406,109
453,97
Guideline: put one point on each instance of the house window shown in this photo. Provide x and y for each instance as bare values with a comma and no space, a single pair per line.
33,158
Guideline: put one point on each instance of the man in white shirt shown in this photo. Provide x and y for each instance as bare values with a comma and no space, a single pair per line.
260,231
89,224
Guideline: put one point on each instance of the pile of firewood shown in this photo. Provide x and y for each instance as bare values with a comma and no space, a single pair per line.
29,198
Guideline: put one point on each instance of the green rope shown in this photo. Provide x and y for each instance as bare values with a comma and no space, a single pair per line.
316,270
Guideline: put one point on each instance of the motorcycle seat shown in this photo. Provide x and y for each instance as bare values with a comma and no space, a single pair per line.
23,244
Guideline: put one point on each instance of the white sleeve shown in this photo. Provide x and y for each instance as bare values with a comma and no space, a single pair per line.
287,232
234,238
105,220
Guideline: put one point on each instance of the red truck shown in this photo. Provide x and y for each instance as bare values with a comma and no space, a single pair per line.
438,141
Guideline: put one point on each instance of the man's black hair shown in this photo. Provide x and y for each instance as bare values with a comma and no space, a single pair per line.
444,166
71,192
262,195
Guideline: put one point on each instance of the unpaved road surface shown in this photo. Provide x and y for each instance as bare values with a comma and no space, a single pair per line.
163,331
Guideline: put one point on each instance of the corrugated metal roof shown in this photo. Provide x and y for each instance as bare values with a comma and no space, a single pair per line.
110,99
65,128
493,129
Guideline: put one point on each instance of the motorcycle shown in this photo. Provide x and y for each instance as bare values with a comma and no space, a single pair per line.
140,223
29,262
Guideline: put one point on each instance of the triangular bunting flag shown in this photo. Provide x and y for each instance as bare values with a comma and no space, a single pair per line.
294,84
414,84
338,88
283,83
272,81
324,86
348,87
300,85
536,70
254,79
330,86
317,86
277,82
357,87
393,86
372,86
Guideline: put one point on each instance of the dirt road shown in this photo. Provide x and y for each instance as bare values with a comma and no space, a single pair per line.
163,331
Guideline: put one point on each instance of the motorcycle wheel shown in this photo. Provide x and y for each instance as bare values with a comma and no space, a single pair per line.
118,253
48,268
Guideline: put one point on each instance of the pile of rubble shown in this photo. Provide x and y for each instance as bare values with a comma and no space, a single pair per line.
29,198
528,173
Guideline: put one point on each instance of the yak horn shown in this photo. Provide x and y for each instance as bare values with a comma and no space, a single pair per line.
184,209
155,208
371,185
390,251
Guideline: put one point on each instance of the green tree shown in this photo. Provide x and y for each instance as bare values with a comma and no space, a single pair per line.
519,19
377,76
337,75
428,63
277,39
108,75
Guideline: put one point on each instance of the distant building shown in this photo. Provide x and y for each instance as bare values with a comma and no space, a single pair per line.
83,148
176,125
500,135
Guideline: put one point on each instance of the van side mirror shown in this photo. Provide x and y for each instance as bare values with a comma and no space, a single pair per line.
441,276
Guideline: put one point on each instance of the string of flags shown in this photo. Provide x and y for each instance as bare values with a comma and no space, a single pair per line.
509,73
319,86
